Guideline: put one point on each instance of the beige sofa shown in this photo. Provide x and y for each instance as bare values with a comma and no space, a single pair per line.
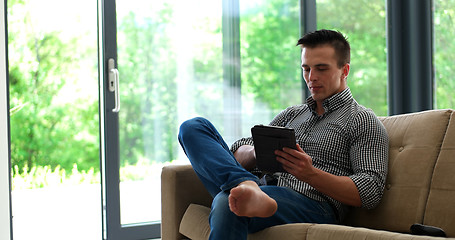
420,188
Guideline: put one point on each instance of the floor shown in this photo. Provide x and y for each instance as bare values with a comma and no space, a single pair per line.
74,212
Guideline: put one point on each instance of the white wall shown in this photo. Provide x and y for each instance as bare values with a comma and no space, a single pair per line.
5,224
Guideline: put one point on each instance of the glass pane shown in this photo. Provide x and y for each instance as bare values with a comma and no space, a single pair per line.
53,75
444,44
363,21
271,72
170,56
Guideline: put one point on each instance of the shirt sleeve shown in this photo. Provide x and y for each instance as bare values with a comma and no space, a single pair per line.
369,156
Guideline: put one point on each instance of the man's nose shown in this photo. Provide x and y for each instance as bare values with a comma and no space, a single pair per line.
312,76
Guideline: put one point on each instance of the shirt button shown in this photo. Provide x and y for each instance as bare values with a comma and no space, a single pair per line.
388,186
400,149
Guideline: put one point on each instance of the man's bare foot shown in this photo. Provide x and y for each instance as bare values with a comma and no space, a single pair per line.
248,200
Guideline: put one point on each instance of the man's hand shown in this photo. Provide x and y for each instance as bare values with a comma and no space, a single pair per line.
246,156
300,164
297,163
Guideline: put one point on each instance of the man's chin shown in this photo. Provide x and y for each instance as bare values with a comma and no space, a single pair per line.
317,97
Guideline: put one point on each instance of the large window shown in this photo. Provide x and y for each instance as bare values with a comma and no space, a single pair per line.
53,93
444,57
173,66
363,21
178,60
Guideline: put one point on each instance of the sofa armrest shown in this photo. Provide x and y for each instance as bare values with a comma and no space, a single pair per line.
180,187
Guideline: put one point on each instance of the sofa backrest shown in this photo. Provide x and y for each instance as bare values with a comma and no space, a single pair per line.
415,142
440,210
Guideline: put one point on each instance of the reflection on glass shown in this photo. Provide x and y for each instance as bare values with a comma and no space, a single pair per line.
170,56
363,21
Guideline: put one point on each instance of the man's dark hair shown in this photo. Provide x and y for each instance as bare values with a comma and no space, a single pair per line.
328,37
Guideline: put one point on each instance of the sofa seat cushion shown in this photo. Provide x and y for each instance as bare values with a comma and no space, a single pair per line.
195,225
340,232
195,222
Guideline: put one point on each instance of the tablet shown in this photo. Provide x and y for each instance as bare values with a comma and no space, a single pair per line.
266,140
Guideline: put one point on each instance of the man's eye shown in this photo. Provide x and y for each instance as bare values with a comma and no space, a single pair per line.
305,69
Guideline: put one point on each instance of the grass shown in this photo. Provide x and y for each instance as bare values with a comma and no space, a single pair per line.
46,176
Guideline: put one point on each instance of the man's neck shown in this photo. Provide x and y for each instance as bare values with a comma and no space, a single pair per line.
319,109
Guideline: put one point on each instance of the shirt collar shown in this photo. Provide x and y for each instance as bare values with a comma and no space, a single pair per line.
332,103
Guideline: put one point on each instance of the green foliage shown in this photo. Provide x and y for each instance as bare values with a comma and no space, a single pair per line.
148,115
270,57
142,170
363,22
46,176
153,60
46,130
444,31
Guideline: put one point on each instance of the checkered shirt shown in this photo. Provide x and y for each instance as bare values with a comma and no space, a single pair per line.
347,140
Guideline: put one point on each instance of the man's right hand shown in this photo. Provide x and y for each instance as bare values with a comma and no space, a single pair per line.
246,156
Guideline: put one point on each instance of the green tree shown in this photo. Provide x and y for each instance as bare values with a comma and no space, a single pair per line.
148,63
46,131
148,91
270,58
444,23
363,22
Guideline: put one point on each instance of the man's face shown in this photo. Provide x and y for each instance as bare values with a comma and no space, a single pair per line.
321,73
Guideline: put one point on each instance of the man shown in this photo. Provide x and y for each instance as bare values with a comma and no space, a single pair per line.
340,160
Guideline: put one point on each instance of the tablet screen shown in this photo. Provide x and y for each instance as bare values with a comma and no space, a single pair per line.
267,139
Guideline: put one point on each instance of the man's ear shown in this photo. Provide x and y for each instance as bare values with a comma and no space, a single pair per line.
346,69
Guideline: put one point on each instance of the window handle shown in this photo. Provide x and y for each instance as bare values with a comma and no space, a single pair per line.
114,83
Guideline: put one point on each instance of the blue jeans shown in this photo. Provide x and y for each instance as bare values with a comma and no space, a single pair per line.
219,171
